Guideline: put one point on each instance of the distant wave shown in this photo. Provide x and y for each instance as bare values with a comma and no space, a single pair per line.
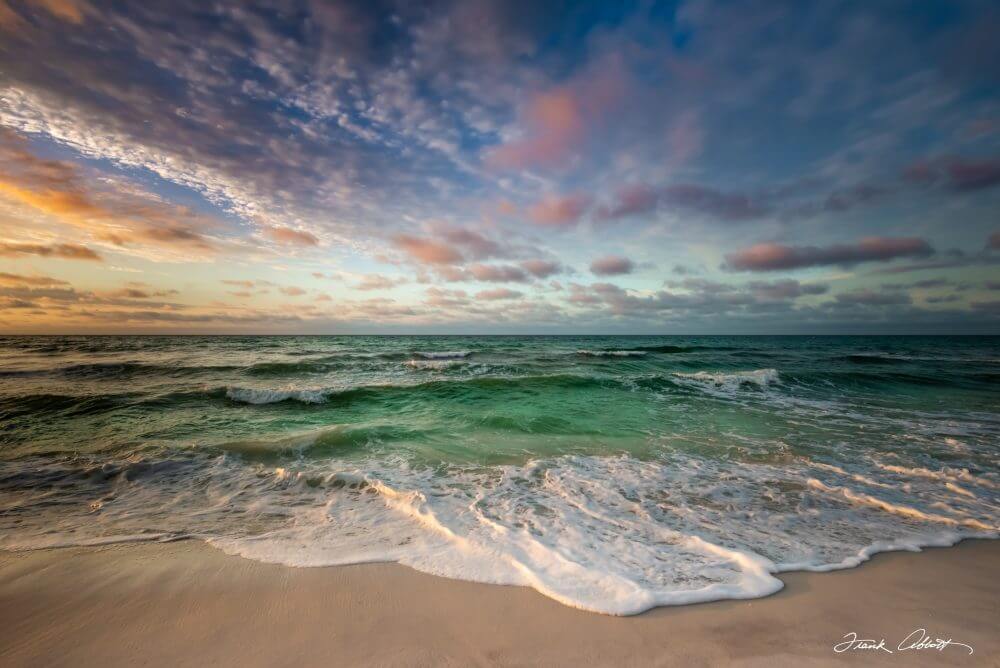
873,359
291,368
434,364
102,370
733,379
35,405
444,355
428,389
248,395
611,353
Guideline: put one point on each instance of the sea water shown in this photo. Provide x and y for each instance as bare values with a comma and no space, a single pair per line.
612,474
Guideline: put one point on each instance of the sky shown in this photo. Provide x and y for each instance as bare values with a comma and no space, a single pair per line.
481,166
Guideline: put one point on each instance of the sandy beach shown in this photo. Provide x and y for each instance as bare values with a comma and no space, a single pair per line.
187,604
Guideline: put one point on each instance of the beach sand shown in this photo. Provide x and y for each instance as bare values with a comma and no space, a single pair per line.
187,604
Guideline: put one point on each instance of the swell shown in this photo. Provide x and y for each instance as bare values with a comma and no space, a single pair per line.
33,405
642,350
454,388
293,368
111,370
333,441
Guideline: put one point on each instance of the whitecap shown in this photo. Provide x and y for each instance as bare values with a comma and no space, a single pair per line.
250,395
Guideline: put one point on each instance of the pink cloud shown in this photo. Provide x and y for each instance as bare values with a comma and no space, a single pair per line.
774,257
427,251
293,291
955,173
685,138
612,265
557,123
287,235
560,211
499,293
553,127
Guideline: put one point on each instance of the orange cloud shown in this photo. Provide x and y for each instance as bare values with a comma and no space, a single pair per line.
287,235
427,251
121,215
67,10
17,279
67,251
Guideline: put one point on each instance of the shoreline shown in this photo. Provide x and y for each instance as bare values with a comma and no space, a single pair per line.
188,603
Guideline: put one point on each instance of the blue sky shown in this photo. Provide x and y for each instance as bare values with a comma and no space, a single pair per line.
325,167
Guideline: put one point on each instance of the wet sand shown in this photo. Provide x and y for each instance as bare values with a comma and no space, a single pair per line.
187,604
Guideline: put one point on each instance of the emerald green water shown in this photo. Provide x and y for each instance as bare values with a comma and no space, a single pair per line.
601,467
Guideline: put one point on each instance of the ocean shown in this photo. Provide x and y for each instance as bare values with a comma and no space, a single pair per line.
610,473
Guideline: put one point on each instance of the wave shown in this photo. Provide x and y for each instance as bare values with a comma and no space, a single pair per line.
35,405
250,395
674,349
732,379
428,388
434,364
636,351
697,529
444,355
291,368
324,442
872,359
116,370
611,353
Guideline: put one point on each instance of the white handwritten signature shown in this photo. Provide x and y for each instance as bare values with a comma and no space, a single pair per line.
916,640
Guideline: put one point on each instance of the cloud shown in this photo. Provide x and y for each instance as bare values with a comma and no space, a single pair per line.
776,257
631,200
612,265
787,289
473,244
639,198
872,298
292,291
378,282
492,273
287,235
64,251
135,293
105,208
954,173
848,198
499,293
554,127
715,203
560,211
17,279
71,11
541,268
427,251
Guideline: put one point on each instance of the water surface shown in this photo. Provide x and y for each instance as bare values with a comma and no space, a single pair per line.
610,473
